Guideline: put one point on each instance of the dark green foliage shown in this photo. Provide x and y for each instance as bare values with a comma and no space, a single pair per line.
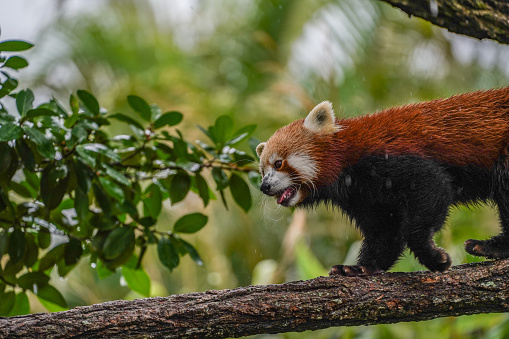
64,176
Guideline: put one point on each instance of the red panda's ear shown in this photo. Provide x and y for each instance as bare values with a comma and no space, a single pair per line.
321,119
259,149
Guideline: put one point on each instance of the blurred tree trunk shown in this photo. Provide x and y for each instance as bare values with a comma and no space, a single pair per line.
482,19
296,306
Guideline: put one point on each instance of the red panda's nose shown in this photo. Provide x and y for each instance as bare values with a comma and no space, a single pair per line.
265,188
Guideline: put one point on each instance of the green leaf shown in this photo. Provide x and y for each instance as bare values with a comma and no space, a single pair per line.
23,189
102,270
21,305
11,269
113,190
10,131
83,176
203,189
31,251
16,245
127,119
14,46
75,107
255,179
7,303
168,119
140,106
81,204
220,178
16,62
93,149
43,238
41,112
51,258
86,157
207,133
167,253
223,199
237,139
253,143
54,184
51,299
129,207
32,178
241,134
8,160
4,236
24,101
118,241
54,107
190,223
89,101
117,176
242,159
223,128
28,280
6,157
44,145
64,269
152,201
179,186
72,251
240,192
137,280
192,252
26,154
102,198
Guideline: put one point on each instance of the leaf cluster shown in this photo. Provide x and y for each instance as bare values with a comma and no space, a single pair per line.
70,189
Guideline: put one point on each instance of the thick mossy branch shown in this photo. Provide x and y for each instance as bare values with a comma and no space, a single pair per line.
482,19
296,306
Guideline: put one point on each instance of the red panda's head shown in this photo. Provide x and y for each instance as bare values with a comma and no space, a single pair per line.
292,160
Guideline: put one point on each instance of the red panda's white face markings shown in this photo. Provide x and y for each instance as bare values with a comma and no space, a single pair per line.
304,164
287,163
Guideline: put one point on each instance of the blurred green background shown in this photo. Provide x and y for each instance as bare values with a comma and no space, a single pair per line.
269,63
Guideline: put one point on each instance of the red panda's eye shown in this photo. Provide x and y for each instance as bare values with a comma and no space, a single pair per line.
278,164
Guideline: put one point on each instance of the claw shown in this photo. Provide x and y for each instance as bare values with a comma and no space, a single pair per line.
352,271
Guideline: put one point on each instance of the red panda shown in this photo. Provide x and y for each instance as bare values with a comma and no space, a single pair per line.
396,172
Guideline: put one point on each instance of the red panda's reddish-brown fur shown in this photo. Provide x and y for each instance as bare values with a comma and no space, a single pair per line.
466,129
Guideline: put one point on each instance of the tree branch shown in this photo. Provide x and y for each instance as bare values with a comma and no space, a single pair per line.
482,19
296,306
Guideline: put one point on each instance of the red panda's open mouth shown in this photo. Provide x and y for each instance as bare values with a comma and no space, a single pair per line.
287,195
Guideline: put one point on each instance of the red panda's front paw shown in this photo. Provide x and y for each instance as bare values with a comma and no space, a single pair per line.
352,271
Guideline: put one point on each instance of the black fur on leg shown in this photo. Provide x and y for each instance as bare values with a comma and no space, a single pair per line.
397,201
420,239
494,248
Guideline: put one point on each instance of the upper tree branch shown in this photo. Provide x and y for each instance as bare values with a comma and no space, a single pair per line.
477,18
297,306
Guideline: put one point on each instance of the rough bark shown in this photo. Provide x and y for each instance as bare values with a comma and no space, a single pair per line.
296,306
482,19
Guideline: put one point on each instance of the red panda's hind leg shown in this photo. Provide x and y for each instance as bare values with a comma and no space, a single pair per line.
496,247
423,226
